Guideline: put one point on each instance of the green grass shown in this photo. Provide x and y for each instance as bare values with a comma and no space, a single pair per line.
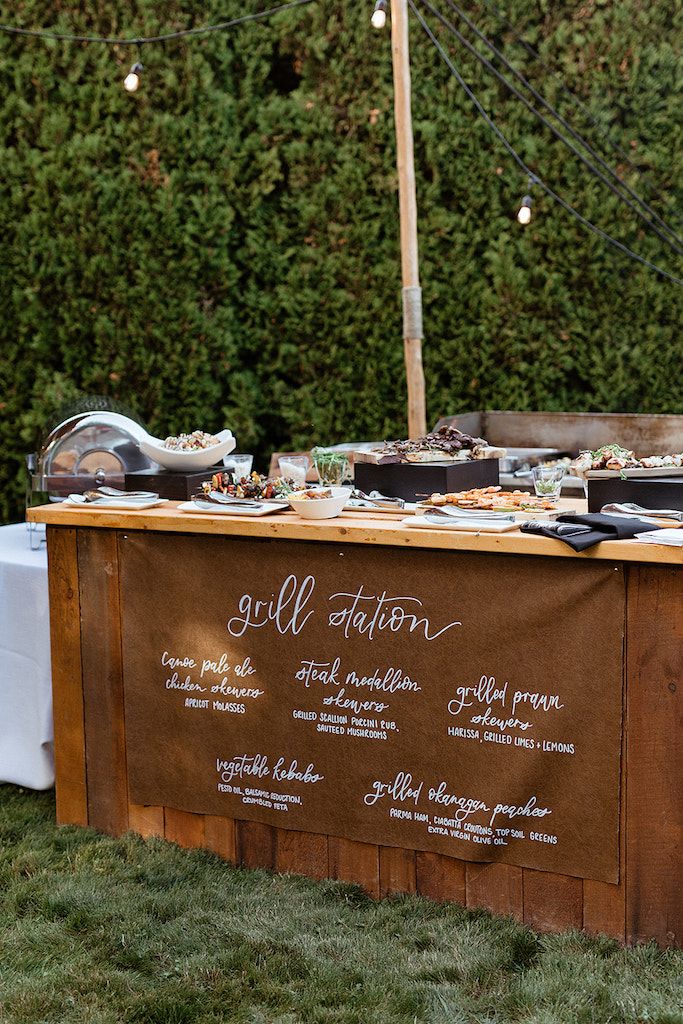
102,931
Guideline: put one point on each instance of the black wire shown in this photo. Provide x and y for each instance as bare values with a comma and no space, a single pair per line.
527,170
573,98
565,124
139,40
676,245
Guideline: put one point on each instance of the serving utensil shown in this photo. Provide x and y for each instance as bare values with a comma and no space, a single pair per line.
216,498
115,492
464,513
375,498
207,505
94,498
477,517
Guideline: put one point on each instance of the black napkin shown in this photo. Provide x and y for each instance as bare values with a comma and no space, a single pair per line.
601,528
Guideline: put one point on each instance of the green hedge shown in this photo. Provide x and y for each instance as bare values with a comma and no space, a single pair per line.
221,248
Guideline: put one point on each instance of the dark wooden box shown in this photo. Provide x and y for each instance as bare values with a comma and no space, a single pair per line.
412,481
650,492
176,486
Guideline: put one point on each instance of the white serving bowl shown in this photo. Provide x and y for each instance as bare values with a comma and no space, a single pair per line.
203,458
320,508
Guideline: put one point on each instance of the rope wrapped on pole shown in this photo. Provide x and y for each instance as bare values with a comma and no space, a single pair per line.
412,312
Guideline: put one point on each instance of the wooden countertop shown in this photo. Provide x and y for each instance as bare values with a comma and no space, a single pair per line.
349,528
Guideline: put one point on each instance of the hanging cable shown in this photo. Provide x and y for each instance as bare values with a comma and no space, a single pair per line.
565,124
676,243
522,165
139,40
571,96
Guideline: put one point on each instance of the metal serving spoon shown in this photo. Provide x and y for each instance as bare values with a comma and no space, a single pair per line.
466,513
209,506
114,492
216,498
93,498
375,498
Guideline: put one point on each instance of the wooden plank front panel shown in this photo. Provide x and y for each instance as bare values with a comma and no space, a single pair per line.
98,570
184,828
256,845
220,836
301,853
604,904
147,821
552,903
654,755
496,887
67,691
355,862
440,878
397,870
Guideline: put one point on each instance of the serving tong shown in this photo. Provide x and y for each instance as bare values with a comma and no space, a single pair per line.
440,512
375,498
104,495
207,499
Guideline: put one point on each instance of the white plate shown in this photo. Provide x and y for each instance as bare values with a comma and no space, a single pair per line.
464,525
116,504
602,474
262,509
203,458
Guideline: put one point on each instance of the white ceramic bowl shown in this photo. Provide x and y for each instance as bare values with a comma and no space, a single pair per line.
203,458
321,508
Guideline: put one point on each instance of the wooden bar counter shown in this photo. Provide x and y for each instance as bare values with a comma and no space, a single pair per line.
520,748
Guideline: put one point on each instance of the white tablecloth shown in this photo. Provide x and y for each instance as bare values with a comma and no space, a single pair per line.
26,749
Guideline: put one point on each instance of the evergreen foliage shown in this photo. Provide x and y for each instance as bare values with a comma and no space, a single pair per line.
221,248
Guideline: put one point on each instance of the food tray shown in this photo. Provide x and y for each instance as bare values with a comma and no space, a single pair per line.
619,474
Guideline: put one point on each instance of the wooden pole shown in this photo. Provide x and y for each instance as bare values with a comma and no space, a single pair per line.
412,293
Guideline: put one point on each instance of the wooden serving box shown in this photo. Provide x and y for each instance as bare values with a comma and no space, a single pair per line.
175,486
650,492
414,480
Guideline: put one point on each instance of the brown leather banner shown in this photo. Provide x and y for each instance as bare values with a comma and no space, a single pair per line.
467,704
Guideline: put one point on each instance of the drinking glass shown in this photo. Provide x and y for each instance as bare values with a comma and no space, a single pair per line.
238,465
295,468
548,481
332,466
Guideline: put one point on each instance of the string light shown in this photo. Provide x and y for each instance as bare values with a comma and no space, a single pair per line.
379,15
132,79
524,212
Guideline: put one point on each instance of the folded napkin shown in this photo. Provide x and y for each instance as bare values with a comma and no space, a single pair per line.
601,527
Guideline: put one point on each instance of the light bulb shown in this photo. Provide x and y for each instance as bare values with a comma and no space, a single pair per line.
132,79
524,213
379,15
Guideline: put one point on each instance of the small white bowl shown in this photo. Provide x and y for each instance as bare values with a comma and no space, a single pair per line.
202,458
320,508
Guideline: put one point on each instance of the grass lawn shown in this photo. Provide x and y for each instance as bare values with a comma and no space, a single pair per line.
111,931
